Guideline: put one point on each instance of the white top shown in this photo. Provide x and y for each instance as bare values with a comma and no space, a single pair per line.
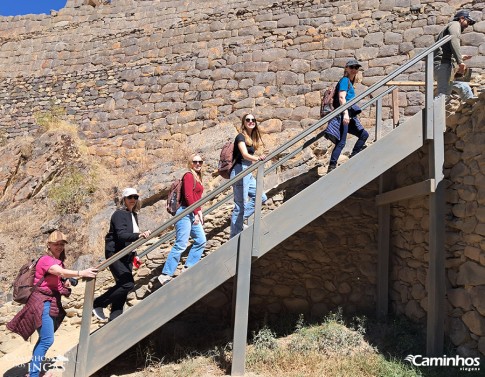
135,225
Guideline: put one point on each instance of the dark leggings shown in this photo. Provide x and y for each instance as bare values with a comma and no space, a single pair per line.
116,295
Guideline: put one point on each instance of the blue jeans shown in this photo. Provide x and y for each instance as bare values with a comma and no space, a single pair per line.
244,197
184,228
445,85
45,341
344,130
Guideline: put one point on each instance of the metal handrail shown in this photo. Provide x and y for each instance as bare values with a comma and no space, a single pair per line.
275,153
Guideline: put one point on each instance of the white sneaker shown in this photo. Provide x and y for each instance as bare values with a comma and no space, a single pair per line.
99,314
164,279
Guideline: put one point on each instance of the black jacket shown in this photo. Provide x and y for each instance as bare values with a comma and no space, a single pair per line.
120,233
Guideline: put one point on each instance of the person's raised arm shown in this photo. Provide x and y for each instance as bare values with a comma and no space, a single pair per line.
342,94
57,270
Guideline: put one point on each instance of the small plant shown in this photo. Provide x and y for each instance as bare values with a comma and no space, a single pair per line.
72,191
3,137
300,323
265,347
265,339
331,337
51,119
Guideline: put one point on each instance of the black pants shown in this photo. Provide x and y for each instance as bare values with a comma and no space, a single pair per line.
116,295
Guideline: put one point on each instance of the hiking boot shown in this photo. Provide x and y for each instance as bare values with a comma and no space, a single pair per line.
99,313
331,167
164,279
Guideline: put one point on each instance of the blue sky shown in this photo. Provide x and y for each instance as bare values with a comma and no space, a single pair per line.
18,7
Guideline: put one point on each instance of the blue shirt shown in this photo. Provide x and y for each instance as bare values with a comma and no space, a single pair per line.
346,86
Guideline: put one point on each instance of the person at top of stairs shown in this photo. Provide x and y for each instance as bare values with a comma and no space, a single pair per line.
347,122
191,225
247,142
123,230
448,58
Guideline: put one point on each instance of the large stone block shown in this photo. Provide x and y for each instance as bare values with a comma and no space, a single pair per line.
471,273
475,322
459,298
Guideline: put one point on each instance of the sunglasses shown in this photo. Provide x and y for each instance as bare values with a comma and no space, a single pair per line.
132,197
58,243
197,162
250,120
354,66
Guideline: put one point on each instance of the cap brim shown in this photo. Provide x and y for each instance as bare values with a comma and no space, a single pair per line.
470,21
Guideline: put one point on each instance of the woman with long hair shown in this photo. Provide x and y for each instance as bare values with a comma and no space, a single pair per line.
123,230
43,311
347,122
247,142
191,225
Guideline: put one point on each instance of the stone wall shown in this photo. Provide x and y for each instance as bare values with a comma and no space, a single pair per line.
142,78
465,227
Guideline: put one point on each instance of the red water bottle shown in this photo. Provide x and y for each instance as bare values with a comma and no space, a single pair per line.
136,262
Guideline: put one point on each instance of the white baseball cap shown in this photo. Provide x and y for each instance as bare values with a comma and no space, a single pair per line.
129,191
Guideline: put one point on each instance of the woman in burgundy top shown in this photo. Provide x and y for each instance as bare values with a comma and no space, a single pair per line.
190,225
43,311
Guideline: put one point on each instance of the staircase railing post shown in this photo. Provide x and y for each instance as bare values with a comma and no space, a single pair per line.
395,107
83,346
428,95
378,131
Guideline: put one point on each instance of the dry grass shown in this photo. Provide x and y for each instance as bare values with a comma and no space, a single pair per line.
326,349
19,227
200,366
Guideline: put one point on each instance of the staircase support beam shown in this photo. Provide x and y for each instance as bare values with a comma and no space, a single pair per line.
383,247
243,280
79,365
436,275
418,189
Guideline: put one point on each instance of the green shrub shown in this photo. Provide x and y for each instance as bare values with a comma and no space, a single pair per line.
331,337
73,190
265,347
